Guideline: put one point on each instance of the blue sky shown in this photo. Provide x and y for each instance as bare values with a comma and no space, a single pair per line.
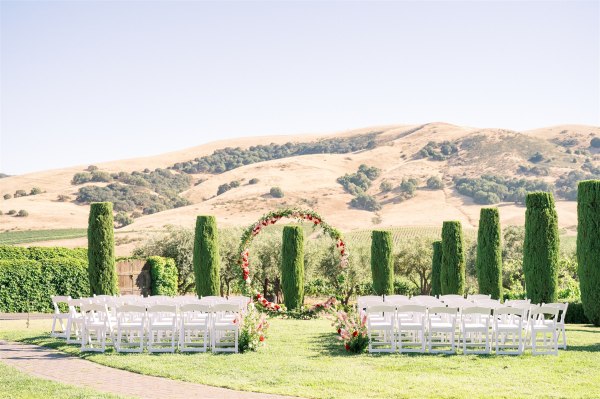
91,81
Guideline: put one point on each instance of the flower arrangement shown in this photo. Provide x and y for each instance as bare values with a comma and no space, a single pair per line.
352,330
270,219
253,330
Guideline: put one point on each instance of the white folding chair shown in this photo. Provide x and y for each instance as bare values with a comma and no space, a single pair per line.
560,323
96,326
426,300
59,316
475,323
508,330
478,297
225,325
194,327
380,327
441,329
74,321
131,325
395,299
162,328
542,321
412,323
443,298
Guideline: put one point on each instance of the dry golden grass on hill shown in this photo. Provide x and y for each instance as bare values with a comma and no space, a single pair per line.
310,181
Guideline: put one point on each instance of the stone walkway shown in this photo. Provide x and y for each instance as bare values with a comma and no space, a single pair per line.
53,365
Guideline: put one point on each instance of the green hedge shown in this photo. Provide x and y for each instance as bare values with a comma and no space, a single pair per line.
8,252
292,267
452,275
576,314
27,285
489,253
164,275
382,262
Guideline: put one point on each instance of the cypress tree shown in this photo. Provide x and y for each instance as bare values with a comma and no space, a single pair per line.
382,262
436,269
541,248
489,253
206,257
292,267
588,247
452,275
101,250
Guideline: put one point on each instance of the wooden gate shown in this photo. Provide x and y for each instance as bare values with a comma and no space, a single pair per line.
134,277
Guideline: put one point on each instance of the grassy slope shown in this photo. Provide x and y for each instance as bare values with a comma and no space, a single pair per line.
18,385
304,358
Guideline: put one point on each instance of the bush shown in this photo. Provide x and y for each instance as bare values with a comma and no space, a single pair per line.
575,313
452,275
35,191
276,192
81,177
254,180
595,142
63,198
223,188
292,267
7,196
382,262
408,187
23,213
9,252
366,202
20,193
206,256
489,253
360,181
436,269
541,248
438,151
122,219
11,212
588,247
491,189
91,168
536,158
101,250
164,276
435,183
385,186
101,176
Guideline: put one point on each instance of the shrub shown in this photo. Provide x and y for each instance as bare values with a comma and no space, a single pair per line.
234,184
101,176
292,267
223,188
595,142
360,181
541,248
366,202
164,275
206,256
536,158
575,313
276,192
489,253
438,151
452,275
436,269
385,186
101,250
491,189
254,180
91,168
408,186
435,183
11,212
122,219
23,213
588,247
7,196
63,198
20,193
10,252
35,191
81,177
382,262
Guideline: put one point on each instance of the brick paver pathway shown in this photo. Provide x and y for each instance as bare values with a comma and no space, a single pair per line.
53,365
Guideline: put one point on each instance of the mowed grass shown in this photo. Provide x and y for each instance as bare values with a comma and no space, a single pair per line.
15,384
304,358
24,237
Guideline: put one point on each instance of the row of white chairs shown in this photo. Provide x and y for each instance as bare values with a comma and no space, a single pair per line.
422,321
159,323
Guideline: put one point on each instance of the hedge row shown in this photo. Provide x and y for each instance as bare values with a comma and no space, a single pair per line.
164,275
9,252
575,314
28,285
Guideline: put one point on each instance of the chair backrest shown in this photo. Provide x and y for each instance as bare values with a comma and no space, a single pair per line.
443,310
509,310
132,314
162,309
451,296
475,297
226,307
195,307
479,310
94,312
488,303
366,301
393,298
383,308
544,311
518,302
562,310
58,299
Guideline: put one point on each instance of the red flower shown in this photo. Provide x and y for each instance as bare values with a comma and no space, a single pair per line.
258,296
261,338
339,330
355,333
277,307
347,347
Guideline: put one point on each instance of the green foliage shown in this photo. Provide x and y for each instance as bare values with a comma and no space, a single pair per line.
541,248
101,249
533,170
452,275
536,158
588,247
276,192
413,262
595,142
9,252
27,284
490,189
575,313
292,267
164,276
566,185
435,183
436,269
22,213
35,191
229,158
122,219
81,178
206,257
489,253
359,182
27,236
91,168
385,186
408,187
254,180
20,193
438,151
365,202
7,196
382,262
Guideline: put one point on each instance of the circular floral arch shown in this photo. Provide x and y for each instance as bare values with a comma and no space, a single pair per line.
271,218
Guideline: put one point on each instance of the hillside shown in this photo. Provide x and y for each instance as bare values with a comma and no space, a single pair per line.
307,170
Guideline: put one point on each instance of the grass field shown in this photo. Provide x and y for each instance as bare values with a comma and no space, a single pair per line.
304,358
24,237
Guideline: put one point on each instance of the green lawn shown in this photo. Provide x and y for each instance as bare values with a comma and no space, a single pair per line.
24,237
17,385
304,358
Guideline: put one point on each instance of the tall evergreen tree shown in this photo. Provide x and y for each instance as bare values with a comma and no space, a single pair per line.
436,269
101,250
452,275
206,257
588,247
489,253
541,248
382,262
292,267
